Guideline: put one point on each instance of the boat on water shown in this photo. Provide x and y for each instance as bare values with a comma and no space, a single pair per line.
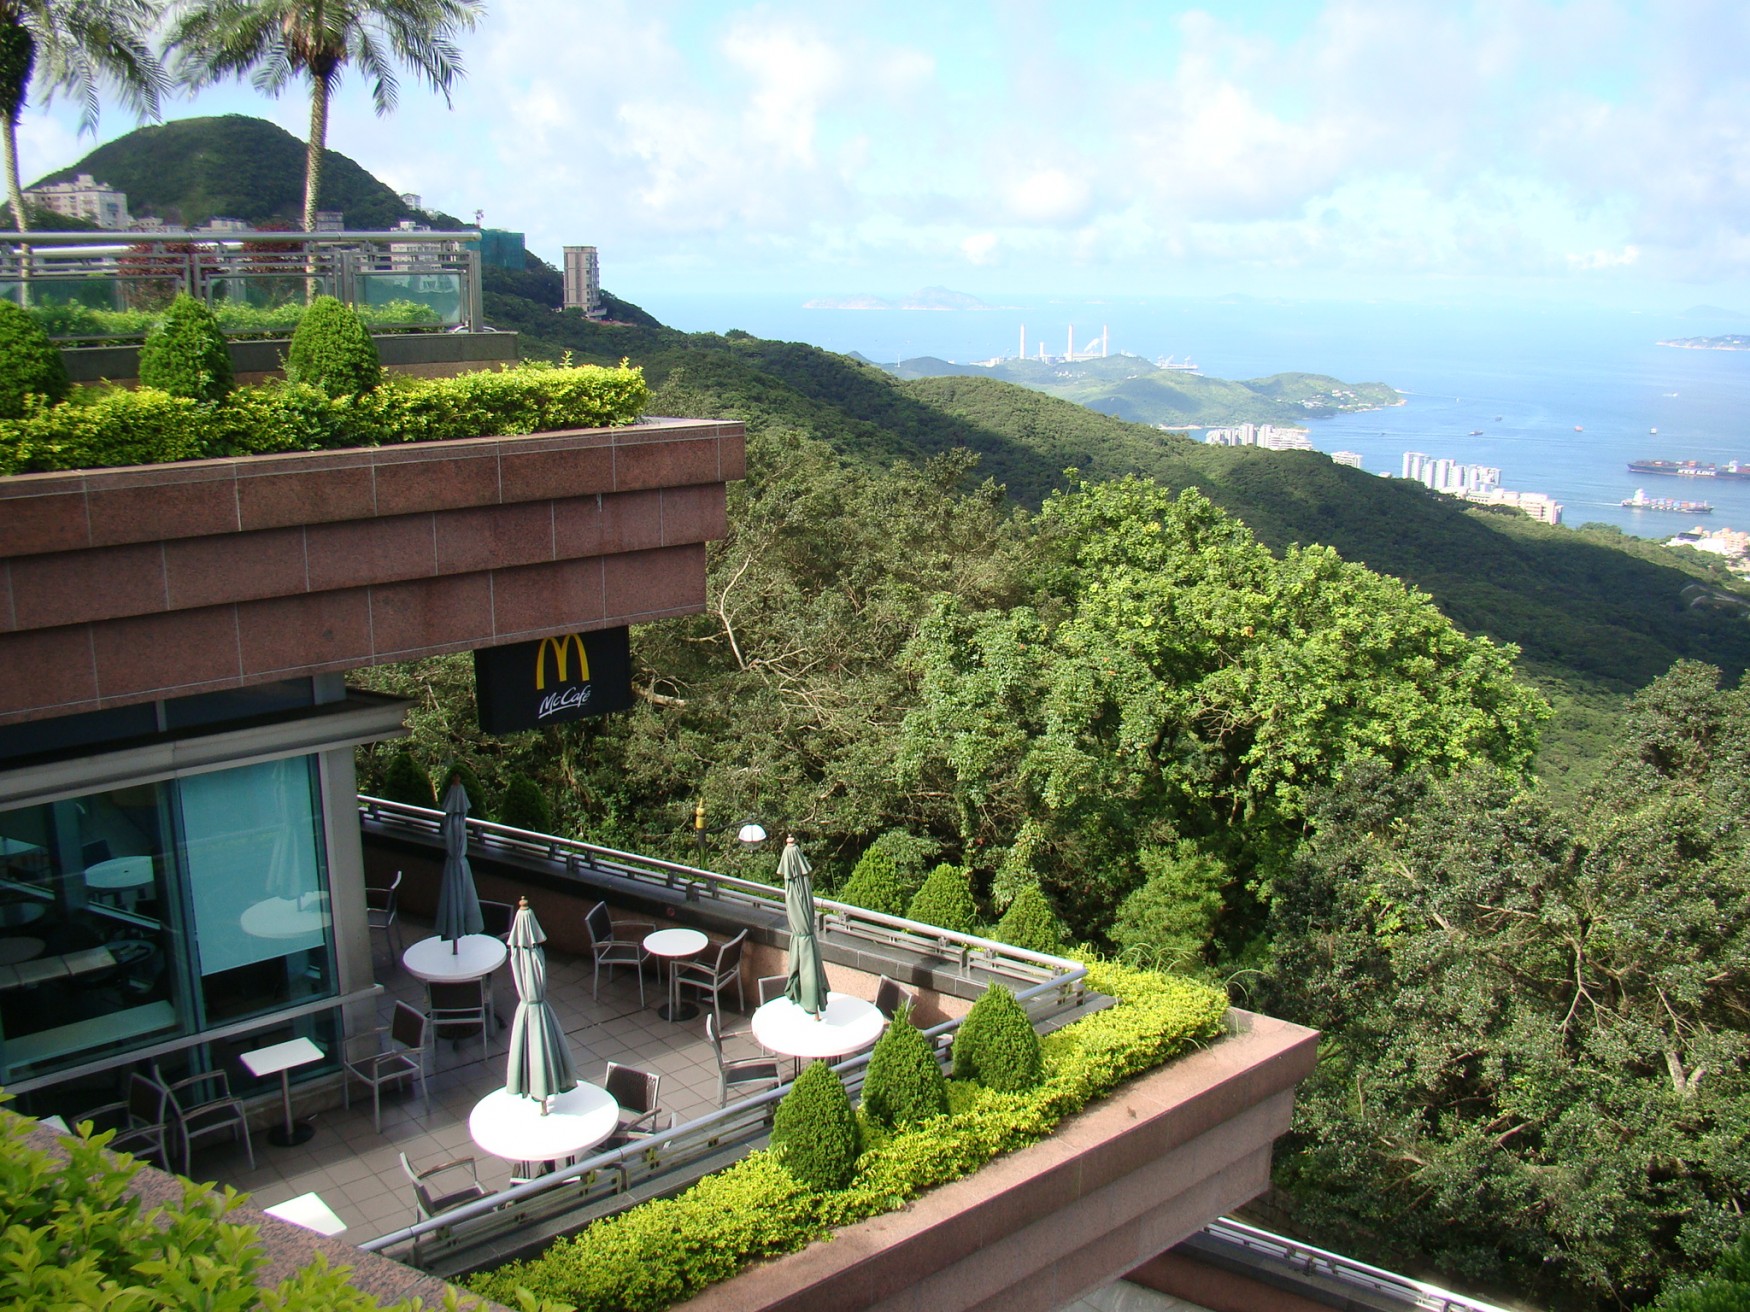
1653,431
1476,432
1578,429
1641,501
1739,469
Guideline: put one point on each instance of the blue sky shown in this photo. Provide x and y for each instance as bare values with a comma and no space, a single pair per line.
1592,152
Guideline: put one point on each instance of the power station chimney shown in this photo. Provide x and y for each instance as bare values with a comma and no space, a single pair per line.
1023,341
1070,354
1102,341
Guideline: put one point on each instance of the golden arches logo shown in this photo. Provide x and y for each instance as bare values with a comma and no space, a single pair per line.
558,646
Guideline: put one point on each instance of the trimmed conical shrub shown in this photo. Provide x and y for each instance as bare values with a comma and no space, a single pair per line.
876,884
405,782
814,1130
996,1045
945,900
332,350
1030,923
30,364
185,353
904,1084
525,806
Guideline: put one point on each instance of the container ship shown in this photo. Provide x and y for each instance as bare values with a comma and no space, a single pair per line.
1641,501
1691,468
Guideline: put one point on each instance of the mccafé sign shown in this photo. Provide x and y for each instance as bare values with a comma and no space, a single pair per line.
530,685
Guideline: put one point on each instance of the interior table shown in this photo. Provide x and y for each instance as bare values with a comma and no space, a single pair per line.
845,1025
124,876
19,948
280,1059
510,1126
676,945
287,917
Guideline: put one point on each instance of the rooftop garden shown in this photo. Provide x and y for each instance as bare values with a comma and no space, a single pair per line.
335,394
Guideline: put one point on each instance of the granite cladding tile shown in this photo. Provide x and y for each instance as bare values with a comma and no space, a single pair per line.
166,652
361,552
694,514
668,580
494,537
622,521
212,570
732,458
539,599
7,620
436,476
674,462
47,668
71,587
42,522
325,630
425,615
549,472
131,510
320,493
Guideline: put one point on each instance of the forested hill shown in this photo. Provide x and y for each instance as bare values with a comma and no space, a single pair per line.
1596,611
236,167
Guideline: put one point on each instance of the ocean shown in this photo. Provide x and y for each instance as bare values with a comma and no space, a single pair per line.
1564,398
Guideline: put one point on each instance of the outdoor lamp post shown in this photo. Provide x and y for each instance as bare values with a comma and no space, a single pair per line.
750,834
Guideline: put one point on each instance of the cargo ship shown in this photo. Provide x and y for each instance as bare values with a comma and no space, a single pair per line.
1691,468
1641,501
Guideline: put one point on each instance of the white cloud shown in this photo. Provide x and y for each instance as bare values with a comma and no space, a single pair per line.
980,248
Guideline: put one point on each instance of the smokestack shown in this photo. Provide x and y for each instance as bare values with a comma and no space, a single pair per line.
1023,341
1071,353
1102,341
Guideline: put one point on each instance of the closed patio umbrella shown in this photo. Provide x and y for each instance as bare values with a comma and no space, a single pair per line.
458,909
540,1060
807,985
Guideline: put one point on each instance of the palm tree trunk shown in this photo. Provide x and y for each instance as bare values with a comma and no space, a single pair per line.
14,187
319,84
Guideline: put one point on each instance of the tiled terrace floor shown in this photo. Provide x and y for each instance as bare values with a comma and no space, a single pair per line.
355,1168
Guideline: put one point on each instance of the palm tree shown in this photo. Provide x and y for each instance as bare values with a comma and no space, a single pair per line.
70,46
285,39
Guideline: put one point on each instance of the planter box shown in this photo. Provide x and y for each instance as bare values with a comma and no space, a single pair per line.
157,581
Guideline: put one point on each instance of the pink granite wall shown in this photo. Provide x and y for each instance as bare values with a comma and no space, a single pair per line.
129,585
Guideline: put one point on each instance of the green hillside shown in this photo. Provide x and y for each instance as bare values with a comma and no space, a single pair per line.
235,167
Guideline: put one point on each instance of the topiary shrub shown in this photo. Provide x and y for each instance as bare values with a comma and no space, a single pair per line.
185,353
30,364
945,900
406,783
525,806
332,349
903,1084
1030,923
876,884
996,1046
814,1130
1170,919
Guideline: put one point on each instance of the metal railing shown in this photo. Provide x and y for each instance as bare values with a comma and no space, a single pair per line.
83,286
965,952
1248,1246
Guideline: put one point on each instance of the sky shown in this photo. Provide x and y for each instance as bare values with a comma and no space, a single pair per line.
1593,152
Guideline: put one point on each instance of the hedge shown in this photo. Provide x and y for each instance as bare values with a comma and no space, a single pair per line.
73,1234
109,428
661,1252
70,319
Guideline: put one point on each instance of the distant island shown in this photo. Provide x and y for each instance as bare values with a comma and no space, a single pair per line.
1130,387
1727,342
930,298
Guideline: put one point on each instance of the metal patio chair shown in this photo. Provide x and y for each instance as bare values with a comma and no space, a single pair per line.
203,1106
607,949
737,1071
141,1120
714,976
396,1052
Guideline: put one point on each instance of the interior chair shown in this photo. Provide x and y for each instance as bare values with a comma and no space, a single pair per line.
496,918
609,950
140,1120
771,986
458,1009
202,1106
731,1073
388,1054
891,996
382,911
715,975
638,1093
430,1197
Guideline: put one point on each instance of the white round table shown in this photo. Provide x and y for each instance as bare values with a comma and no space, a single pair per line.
123,875
287,917
437,961
846,1025
675,944
511,1126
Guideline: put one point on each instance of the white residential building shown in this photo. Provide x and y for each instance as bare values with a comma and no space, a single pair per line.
1269,436
1350,458
84,198
583,281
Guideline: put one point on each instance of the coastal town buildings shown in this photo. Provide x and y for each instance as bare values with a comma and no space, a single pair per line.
1730,543
1349,458
84,198
1443,474
1540,506
1271,437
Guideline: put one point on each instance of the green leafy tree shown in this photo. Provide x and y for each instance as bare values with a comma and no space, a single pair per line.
185,353
1168,922
995,1045
333,350
904,1083
814,1130
30,364
945,900
282,41
71,46
1725,1289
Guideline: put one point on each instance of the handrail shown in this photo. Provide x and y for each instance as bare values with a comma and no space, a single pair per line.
694,883
1255,1244
575,1187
